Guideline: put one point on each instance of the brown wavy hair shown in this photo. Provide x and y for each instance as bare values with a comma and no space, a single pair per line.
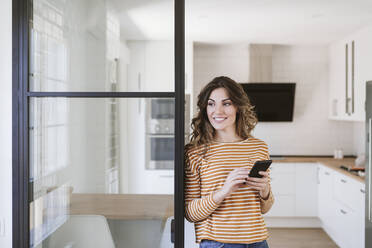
202,130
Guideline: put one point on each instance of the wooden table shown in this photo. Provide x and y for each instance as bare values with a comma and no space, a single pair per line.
123,206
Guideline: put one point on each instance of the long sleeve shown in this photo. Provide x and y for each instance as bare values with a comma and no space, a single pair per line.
197,208
267,203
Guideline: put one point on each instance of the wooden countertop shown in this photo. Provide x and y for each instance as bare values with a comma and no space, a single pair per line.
123,206
327,161
142,207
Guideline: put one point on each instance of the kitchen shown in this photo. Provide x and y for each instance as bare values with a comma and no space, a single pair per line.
123,144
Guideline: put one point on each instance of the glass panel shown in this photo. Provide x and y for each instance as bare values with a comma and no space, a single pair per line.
102,172
102,45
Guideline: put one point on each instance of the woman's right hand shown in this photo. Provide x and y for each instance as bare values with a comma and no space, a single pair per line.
234,180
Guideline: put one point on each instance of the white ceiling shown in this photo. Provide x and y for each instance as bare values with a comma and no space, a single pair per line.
252,21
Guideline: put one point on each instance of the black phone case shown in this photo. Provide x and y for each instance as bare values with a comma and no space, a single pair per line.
261,165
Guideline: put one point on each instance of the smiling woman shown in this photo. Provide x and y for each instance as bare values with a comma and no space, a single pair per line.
223,201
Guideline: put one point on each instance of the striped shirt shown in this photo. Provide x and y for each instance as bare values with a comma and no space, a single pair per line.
238,218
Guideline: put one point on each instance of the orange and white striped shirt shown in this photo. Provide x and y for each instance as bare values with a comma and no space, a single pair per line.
238,218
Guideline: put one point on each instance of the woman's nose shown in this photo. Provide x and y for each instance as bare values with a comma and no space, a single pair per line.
219,109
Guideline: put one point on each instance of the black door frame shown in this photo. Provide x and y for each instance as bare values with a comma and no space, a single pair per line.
22,192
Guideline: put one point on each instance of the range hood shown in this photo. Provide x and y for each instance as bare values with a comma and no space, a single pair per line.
260,63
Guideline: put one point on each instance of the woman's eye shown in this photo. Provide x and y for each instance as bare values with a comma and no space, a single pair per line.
227,104
210,104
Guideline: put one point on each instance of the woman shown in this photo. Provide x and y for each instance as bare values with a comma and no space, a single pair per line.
223,201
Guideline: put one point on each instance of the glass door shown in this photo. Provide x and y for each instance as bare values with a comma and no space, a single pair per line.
103,131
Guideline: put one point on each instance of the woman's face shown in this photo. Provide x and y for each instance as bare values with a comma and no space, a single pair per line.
221,111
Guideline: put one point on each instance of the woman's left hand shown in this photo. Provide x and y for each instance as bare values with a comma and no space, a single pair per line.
260,184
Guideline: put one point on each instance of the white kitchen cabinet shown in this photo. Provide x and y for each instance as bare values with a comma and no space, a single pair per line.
325,196
283,187
341,207
136,66
306,193
348,72
343,225
159,66
294,186
151,66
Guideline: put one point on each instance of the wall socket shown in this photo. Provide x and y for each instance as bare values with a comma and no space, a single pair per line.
2,227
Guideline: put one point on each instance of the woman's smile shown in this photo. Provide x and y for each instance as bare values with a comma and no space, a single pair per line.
221,111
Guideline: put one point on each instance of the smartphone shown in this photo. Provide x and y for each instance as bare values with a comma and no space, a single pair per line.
261,165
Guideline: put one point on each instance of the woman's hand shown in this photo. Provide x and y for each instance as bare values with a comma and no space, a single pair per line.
235,179
260,184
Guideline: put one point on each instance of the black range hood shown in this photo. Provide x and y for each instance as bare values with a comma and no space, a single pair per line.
274,102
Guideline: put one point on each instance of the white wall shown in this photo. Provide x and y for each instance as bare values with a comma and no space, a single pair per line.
6,120
310,133
216,60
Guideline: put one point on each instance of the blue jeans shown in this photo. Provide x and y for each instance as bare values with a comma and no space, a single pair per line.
214,244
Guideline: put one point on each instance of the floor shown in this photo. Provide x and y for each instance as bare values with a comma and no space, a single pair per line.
299,238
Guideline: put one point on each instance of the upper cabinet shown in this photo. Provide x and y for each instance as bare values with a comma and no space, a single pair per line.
349,72
151,68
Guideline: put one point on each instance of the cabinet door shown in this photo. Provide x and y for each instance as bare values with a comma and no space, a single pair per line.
325,195
159,66
306,190
363,72
342,67
283,179
283,185
344,226
136,67
343,190
337,81
284,206
358,215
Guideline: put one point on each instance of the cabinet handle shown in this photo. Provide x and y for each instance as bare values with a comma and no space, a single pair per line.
363,191
317,175
343,211
346,78
327,173
343,180
352,75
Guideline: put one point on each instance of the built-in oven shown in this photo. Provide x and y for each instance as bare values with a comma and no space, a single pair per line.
160,114
160,133
160,151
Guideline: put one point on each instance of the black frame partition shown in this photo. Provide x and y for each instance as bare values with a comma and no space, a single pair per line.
22,189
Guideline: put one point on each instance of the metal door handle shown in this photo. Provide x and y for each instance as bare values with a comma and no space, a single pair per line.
172,231
343,211
369,167
352,75
343,180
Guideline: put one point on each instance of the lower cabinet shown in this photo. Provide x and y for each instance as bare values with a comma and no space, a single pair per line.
294,189
315,190
341,207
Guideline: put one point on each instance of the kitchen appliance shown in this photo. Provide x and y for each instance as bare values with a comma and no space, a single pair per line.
160,133
368,167
159,143
272,101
